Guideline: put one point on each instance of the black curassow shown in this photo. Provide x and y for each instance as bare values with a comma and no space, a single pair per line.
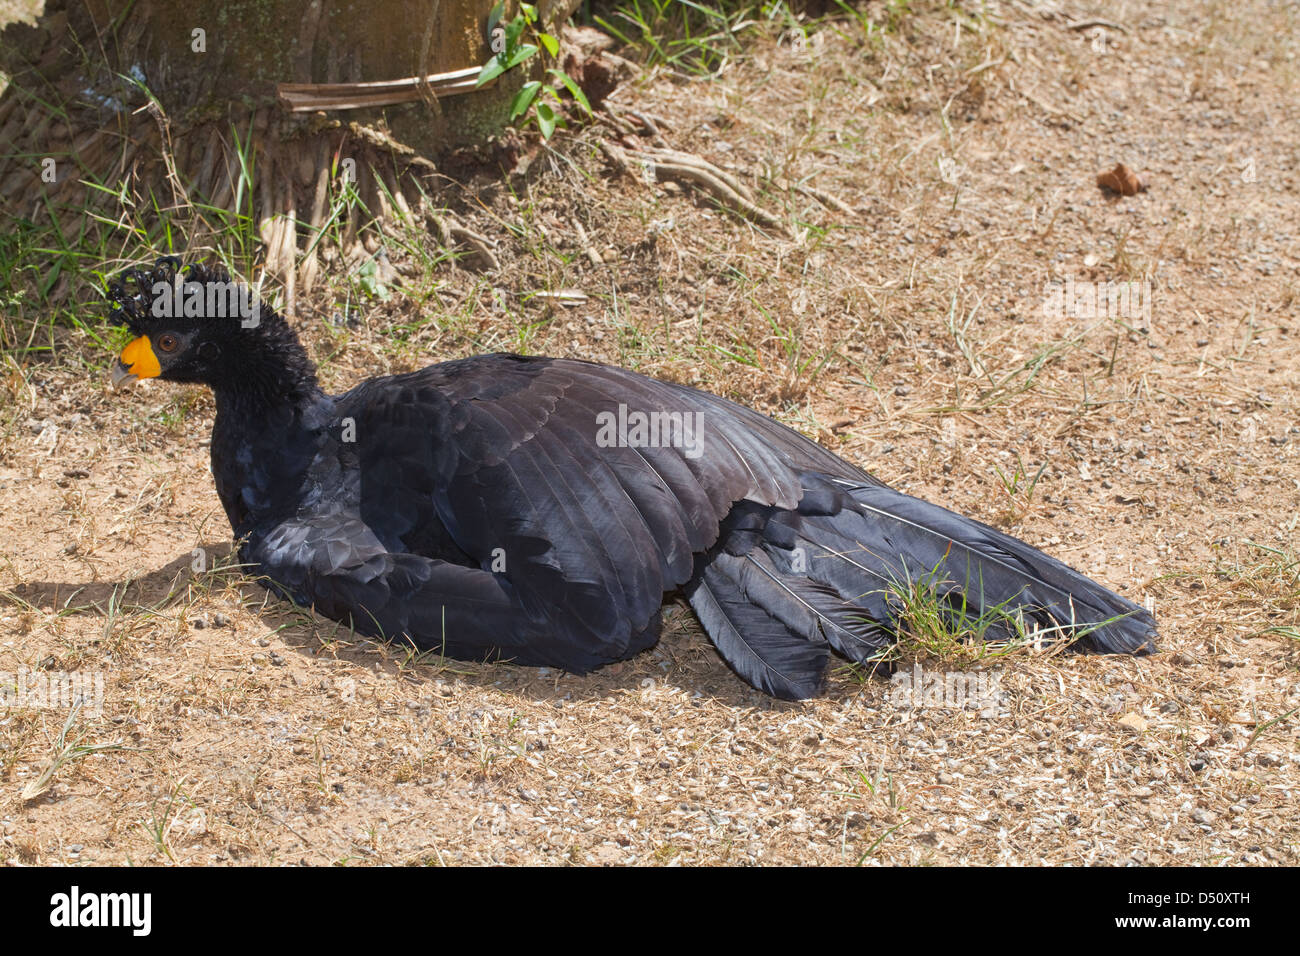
541,510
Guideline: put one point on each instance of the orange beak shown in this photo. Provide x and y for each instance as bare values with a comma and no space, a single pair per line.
137,361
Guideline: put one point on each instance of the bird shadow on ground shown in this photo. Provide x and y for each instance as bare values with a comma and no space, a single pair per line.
694,668
149,590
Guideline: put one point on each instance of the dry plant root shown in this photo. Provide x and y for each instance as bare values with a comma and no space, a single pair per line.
812,192
689,170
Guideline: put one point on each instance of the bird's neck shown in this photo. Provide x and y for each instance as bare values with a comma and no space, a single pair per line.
265,380
271,424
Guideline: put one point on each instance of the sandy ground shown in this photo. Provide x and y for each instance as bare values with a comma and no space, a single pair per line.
902,324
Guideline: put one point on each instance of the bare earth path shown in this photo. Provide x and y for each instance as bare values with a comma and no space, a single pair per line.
906,330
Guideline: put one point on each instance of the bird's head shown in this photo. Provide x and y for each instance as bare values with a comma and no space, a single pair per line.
194,324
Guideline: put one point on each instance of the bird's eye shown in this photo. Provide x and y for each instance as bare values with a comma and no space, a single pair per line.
167,342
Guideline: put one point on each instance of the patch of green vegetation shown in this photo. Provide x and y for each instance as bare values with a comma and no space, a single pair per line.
700,38
536,102
935,620
695,37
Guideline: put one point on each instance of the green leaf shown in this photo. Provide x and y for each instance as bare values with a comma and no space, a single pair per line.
546,120
572,87
524,98
500,63
495,16
551,44
368,280
529,11
514,29
491,70
525,52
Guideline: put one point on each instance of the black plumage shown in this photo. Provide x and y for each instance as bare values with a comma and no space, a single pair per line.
515,508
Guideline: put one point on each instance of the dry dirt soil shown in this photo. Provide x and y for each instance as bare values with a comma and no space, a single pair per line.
899,319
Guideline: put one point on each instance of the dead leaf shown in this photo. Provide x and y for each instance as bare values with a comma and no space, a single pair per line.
1134,722
1122,180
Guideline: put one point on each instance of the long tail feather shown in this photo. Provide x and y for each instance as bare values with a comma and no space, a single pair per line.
781,585
808,606
757,646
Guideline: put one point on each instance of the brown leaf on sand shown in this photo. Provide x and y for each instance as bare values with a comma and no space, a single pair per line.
1122,180
1134,722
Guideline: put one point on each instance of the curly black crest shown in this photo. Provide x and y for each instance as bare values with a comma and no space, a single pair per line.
134,291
